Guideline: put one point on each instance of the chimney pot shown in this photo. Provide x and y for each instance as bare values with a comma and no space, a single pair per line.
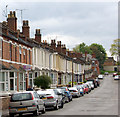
37,31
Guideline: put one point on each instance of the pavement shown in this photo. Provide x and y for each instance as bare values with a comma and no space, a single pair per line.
4,113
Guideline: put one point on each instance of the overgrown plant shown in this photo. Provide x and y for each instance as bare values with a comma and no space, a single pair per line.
43,81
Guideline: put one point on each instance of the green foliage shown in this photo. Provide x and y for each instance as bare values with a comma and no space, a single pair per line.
43,81
85,81
100,53
74,83
102,71
82,48
95,48
118,73
115,47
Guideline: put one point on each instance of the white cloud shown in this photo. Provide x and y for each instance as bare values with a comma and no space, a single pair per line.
88,22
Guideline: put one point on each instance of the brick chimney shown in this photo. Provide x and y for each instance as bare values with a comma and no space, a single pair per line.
53,44
4,28
25,28
64,49
38,36
12,21
59,46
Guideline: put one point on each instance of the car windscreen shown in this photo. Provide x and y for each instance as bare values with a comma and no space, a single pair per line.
21,97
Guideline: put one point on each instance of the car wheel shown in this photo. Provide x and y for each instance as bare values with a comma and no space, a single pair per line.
20,114
68,100
56,107
36,113
43,111
11,115
61,106
78,96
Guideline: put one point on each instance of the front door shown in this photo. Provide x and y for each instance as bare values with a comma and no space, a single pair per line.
11,84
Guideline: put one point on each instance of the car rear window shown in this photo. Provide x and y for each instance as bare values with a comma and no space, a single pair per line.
21,97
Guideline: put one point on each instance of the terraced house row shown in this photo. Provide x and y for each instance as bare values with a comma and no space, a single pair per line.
23,58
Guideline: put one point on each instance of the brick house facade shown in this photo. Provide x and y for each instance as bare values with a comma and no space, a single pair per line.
110,64
16,55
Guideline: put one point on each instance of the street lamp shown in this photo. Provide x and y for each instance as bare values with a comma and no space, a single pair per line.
72,70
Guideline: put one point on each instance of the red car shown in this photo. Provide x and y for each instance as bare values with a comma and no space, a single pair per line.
86,89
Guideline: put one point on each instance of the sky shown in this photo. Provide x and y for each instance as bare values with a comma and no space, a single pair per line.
68,21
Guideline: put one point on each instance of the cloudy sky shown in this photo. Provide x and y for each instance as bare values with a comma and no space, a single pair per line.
72,22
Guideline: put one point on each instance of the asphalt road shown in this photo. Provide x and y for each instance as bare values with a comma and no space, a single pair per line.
101,101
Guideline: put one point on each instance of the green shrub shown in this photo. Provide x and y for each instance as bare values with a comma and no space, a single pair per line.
43,81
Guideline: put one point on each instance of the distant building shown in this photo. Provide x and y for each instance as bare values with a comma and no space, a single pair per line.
110,64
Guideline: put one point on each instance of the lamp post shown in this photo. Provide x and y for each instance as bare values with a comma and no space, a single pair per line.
72,70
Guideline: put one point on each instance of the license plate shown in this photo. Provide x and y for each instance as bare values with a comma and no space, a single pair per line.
22,109
44,98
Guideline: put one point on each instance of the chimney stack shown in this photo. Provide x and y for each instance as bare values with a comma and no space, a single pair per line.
59,46
4,28
12,21
53,44
25,28
64,49
38,36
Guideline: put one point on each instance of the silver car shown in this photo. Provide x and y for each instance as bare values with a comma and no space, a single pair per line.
74,91
50,98
26,102
91,83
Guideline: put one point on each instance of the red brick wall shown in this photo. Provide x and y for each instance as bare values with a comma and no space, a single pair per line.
6,52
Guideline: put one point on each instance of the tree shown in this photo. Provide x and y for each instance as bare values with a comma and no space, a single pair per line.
115,48
43,81
100,53
97,49
82,48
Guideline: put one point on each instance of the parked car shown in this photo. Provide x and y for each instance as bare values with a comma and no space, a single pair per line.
117,77
106,73
89,87
86,88
92,85
81,90
74,92
26,102
98,82
50,98
114,74
100,76
66,88
83,87
61,95
94,82
68,96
